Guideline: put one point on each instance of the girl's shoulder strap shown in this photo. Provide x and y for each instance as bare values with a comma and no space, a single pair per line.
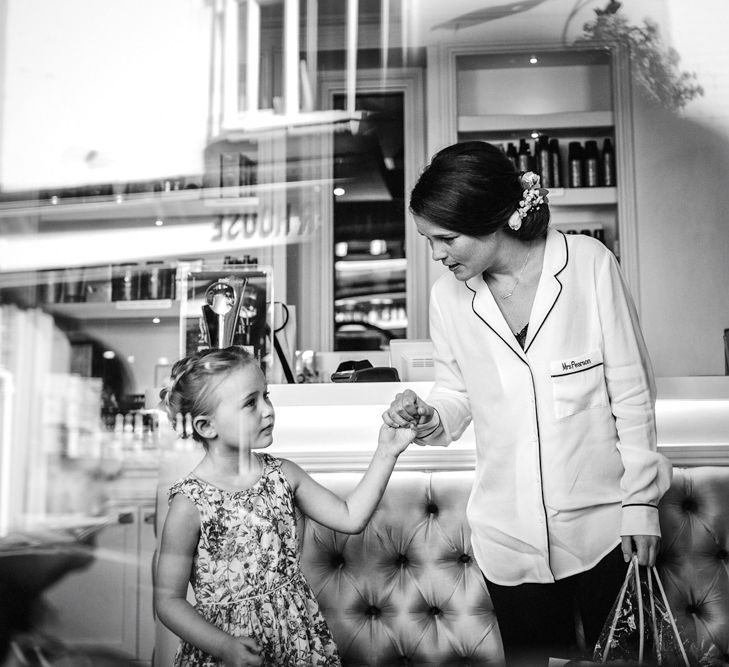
269,461
188,486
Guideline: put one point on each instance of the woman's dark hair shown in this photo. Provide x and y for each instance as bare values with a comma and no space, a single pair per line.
193,381
472,188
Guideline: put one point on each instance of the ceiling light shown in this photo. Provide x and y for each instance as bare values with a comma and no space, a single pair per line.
338,192
159,222
533,60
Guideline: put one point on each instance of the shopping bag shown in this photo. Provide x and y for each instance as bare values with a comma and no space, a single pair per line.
641,629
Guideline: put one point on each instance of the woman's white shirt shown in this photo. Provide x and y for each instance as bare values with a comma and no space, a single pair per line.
565,428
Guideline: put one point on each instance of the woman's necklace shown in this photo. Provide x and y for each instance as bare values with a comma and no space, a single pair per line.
518,278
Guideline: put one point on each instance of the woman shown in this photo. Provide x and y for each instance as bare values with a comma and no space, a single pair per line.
537,342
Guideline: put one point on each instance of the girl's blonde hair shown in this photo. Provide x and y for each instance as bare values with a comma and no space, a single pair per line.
193,380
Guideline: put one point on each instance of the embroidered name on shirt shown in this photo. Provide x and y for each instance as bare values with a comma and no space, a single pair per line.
571,365
582,363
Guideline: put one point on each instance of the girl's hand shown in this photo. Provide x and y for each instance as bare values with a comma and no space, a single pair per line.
407,409
241,652
394,441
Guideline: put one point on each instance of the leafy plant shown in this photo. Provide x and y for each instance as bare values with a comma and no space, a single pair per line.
655,67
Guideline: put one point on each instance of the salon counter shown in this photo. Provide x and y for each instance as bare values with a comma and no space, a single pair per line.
335,426
329,427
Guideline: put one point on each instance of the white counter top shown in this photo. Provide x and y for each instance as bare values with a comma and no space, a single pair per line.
328,427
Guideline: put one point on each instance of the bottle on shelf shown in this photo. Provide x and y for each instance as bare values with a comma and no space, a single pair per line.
555,164
125,282
49,286
512,154
97,284
150,280
524,156
608,163
575,161
591,164
156,281
543,162
73,288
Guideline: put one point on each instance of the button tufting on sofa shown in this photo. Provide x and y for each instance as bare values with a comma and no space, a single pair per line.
693,560
409,564
406,563
373,612
688,505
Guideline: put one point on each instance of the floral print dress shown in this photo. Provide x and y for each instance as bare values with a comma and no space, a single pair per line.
246,575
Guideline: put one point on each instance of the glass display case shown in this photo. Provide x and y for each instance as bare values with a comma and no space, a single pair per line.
224,305
369,213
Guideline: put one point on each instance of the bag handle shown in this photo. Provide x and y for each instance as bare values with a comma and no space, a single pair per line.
633,569
674,627
619,605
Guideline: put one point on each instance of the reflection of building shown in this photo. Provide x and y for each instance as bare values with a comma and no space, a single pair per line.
113,159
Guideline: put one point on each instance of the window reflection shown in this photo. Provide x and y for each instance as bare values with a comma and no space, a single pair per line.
369,226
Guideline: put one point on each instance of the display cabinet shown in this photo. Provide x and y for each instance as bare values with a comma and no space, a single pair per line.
577,98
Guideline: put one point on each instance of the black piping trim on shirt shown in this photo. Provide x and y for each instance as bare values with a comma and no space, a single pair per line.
566,261
655,507
580,370
475,312
541,473
536,417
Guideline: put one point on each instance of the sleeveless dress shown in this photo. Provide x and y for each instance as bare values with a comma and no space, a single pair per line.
246,575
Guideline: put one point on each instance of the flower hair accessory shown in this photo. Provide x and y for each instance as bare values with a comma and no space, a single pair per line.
533,196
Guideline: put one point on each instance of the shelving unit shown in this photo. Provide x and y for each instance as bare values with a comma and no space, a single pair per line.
117,310
190,203
576,93
500,123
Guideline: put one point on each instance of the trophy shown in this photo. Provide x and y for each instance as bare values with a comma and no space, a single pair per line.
221,311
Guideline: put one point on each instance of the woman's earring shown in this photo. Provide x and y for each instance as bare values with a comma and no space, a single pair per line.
515,221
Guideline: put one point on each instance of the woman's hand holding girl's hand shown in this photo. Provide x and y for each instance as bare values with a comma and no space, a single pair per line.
241,652
394,441
407,408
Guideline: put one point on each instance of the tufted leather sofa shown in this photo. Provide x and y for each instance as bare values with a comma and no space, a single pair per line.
406,591
694,558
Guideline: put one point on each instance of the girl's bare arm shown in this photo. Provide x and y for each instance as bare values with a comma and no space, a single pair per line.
351,513
179,542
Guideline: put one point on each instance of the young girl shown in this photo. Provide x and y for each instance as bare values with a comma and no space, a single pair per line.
231,530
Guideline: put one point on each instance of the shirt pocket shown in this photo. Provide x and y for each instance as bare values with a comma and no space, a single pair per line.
578,383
